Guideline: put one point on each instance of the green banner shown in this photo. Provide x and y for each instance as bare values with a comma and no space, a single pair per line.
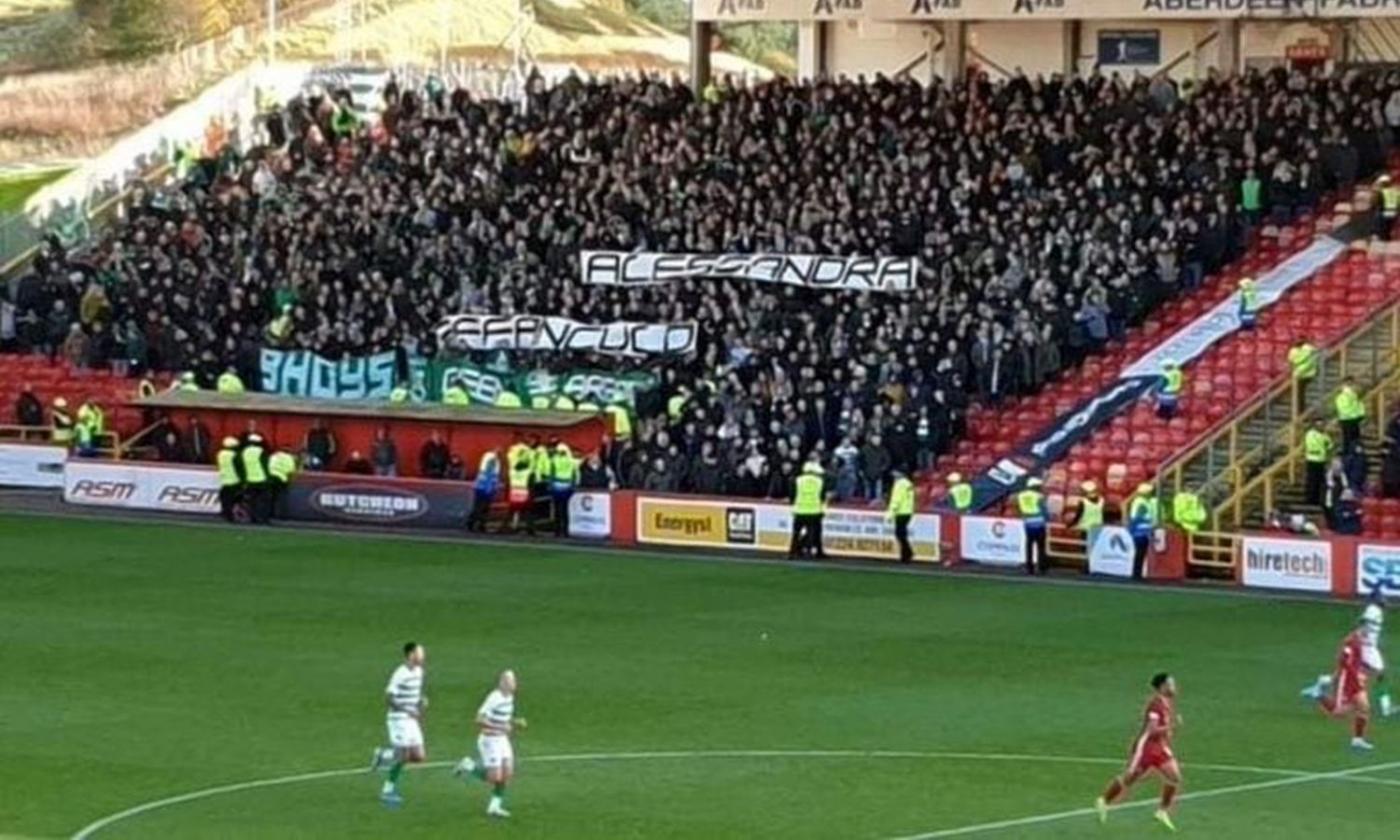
484,385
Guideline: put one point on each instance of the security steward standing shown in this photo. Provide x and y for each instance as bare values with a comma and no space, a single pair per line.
254,458
521,470
488,479
1169,389
1087,516
1350,412
1249,304
959,493
1303,360
230,477
282,466
901,513
808,508
62,433
1142,521
1390,207
1030,503
1317,453
1188,512
563,477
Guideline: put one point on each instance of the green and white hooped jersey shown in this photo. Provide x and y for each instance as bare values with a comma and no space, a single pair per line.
497,712
406,690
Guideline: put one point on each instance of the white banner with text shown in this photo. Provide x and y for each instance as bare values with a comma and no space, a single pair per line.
994,540
590,514
141,486
559,335
1286,563
1112,552
860,274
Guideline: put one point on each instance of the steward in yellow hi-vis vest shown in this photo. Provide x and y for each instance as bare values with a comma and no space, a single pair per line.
1169,389
254,458
1304,359
520,472
1317,454
1390,207
1030,504
959,493
808,508
901,513
563,476
1351,410
1143,517
230,477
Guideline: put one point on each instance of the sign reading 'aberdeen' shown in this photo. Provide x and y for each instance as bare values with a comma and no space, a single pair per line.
865,274
1018,9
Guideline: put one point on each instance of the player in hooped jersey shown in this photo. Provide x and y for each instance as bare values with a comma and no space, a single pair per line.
406,703
496,721
1152,752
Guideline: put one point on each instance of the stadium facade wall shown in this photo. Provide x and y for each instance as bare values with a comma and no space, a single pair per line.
924,48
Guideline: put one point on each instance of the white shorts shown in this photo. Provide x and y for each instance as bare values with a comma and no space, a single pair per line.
495,751
404,732
1372,659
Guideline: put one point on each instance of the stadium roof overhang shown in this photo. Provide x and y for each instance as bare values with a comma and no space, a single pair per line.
738,11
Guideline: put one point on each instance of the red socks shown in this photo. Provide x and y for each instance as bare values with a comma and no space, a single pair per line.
1168,796
1358,726
1115,790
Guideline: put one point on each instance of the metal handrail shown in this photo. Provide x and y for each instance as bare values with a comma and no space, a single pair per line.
1280,397
1215,549
111,441
1378,400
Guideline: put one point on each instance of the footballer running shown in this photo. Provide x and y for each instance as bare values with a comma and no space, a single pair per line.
1152,752
495,721
406,703
1344,692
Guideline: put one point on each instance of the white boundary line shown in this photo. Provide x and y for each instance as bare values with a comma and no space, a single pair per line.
1289,777
1204,794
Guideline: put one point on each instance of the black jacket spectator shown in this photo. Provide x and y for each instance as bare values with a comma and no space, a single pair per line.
434,458
28,410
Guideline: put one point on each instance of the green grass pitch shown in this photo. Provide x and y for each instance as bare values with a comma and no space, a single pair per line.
146,661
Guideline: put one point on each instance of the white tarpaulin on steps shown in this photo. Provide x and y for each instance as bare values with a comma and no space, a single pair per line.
1192,340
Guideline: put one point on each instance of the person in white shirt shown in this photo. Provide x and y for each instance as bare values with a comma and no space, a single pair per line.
1372,621
496,721
406,703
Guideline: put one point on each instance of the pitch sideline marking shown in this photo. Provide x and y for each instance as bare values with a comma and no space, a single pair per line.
1204,794
1292,776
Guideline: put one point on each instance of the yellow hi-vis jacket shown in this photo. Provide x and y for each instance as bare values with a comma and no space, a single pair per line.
227,462
901,498
807,497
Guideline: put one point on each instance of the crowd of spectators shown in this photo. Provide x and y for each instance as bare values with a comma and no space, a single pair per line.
1049,216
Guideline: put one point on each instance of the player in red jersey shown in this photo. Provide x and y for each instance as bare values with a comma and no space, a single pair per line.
1152,752
1348,689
